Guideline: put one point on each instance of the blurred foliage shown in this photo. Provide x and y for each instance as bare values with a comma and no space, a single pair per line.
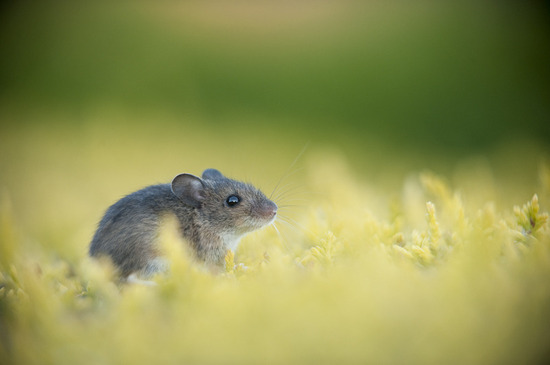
426,74
414,229
427,276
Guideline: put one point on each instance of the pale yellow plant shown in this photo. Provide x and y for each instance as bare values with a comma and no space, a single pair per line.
416,276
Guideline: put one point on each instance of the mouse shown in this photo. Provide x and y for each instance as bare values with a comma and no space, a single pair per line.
212,214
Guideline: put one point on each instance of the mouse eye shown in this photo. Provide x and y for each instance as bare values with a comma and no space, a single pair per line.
233,200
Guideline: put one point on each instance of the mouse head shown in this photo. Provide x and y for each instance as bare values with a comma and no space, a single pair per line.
225,205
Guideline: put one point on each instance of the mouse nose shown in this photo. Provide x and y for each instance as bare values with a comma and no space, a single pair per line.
273,208
269,210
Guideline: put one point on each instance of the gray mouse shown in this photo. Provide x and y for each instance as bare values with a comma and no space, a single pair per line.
213,213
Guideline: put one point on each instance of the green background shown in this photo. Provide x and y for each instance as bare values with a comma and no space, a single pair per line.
435,76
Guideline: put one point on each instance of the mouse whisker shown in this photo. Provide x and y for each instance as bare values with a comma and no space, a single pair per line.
296,190
289,171
297,228
281,189
295,193
292,222
289,225
291,201
285,190
282,238
290,206
285,176
289,187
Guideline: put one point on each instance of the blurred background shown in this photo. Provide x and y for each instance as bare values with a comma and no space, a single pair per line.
398,102
431,74
98,99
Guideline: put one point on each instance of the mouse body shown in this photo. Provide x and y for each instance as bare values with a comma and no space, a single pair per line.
213,213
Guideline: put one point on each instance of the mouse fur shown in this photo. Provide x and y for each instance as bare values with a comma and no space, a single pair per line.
213,213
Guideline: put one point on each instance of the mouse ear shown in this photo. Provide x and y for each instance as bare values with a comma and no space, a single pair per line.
212,174
189,188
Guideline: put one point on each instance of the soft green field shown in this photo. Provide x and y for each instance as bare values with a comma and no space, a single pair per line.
413,228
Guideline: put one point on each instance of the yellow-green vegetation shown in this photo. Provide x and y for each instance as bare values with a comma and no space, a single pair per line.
431,269
413,230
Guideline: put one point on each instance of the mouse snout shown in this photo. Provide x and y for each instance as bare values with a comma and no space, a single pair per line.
268,210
